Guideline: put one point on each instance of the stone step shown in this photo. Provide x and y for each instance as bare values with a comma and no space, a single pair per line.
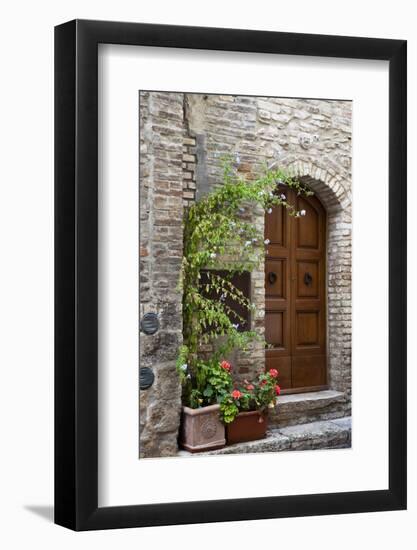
329,434
300,408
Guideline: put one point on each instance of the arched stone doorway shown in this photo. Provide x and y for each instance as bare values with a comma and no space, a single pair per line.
335,196
295,293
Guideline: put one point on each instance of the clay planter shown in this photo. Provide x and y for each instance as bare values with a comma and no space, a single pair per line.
201,429
247,426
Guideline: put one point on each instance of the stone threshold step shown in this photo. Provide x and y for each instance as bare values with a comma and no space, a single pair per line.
306,407
328,434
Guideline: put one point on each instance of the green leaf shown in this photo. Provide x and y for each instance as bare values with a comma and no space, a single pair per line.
208,392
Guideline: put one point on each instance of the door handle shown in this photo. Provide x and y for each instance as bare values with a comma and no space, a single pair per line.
272,277
308,279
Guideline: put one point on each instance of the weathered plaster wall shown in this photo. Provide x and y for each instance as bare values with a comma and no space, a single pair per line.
182,137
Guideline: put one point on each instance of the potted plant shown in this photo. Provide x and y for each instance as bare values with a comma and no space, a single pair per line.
201,427
244,410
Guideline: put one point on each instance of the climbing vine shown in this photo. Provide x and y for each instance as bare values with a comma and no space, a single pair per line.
219,236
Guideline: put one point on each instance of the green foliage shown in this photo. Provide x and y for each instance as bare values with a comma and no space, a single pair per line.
256,396
216,228
206,384
229,409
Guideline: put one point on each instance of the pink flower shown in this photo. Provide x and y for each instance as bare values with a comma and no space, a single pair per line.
236,394
226,366
273,373
277,389
250,387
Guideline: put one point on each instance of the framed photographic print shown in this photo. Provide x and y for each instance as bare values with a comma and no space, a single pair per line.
230,275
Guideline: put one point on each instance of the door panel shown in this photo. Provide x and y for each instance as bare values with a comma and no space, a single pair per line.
275,278
275,226
308,226
308,371
274,328
307,323
295,302
308,282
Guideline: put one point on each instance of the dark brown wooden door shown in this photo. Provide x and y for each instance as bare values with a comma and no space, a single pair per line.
295,300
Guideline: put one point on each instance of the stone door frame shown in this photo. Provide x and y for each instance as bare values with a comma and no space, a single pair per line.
332,191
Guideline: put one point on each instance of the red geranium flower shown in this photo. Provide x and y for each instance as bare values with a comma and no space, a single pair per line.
273,373
250,387
236,394
226,366
277,389
263,382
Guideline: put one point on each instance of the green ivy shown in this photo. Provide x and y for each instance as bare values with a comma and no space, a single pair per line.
215,228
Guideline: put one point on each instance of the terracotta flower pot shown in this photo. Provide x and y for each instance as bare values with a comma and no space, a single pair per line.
247,426
201,429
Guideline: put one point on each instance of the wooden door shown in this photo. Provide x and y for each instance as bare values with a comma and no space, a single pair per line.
295,300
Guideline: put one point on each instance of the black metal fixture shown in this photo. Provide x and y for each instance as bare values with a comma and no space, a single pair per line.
272,277
150,323
308,279
146,378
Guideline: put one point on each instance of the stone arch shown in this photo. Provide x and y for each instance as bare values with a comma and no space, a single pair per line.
331,187
334,193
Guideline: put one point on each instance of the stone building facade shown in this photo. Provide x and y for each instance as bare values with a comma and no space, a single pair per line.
182,137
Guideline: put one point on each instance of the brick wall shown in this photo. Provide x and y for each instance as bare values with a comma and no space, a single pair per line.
161,212
188,170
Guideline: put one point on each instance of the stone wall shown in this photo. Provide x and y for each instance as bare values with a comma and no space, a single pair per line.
183,137
161,213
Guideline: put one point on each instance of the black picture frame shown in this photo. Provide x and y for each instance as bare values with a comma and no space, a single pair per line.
76,271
